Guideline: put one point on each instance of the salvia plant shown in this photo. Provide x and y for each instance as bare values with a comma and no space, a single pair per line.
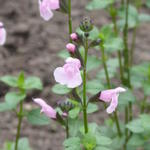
98,73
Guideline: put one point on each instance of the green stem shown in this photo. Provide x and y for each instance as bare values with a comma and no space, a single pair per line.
126,50
114,20
143,104
109,86
69,20
84,88
126,129
19,125
67,129
133,45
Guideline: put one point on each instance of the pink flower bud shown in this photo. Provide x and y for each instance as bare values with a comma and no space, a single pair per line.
71,47
74,36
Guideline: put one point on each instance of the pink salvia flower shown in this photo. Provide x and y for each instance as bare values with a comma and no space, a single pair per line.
71,47
46,109
74,36
2,34
46,7
69,74
112,97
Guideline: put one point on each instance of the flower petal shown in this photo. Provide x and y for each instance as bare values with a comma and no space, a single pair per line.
75,81
2,36
74,61
54,4
60,75
113,104
46,109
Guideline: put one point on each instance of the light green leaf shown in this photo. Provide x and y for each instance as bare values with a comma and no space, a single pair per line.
74,112
94,86
33,83
92,108
36,118
93,62
101,148
60,89
21,80
13,98
145,121
144,17
63,54
5,107
148,3
102,140
136,141
98,4
113,44
10,80
135,126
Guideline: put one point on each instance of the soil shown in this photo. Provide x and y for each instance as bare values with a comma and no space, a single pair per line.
32,46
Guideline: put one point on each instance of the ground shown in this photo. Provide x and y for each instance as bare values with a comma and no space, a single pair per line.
32,46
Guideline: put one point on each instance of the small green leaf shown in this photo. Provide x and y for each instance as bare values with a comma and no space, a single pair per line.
145,120
113,44
5,107
33,83
103,140
60,89
101,148
72,143
74,112
36,118
136,140
92,108
13,98
98,4
144,18
63,54
10,80
148,3
94,86
135,126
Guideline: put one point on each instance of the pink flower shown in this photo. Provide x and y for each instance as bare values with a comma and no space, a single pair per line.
46,109
46,7
71,47
69,74
74,36
2,34
112,97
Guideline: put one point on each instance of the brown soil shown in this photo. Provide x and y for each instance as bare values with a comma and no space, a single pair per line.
32,46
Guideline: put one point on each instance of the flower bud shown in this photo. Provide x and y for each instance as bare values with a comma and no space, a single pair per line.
74,36
86,25
66,106
71,47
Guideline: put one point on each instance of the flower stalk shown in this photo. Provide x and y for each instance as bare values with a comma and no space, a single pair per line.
69,20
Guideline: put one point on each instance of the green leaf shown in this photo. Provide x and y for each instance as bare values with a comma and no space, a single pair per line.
145,121
72,143
136,140
89,141
63,54
135,126
60,89
10,80
94,86
23,144
36,118
117,143
33,83
146,88
5,107
74,112
113,44
126,97
101,148
148,3
93,62
92,108
133,19
144,18
98,4
13,98
103,140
